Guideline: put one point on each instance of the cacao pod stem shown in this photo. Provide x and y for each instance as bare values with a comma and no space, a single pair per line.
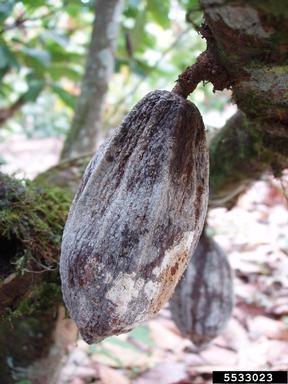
206,68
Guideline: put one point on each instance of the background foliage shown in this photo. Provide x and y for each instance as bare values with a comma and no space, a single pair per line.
42,56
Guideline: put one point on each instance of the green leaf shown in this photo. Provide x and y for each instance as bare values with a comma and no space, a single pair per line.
138,31
141,68
59,71
132,8
101,350
5,89
3,72
142,333
134,3
65,96
148,40
33,3
34,58
4,61
124,344
43,57
35,87
59,54
188,4
159,11
6,9
75,8
7,57
24,382
57,38
119,63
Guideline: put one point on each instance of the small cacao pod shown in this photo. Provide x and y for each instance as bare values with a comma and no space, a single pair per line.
203,299
139,209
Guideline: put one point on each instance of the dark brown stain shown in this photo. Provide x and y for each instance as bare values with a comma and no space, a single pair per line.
80,272
173,269
168,282
198,200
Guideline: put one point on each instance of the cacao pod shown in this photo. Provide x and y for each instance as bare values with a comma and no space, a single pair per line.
140,207
203,299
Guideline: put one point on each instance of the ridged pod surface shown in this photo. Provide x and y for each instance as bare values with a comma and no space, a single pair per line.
203,299
137,215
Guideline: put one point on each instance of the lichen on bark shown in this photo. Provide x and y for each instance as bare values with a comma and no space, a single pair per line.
250,39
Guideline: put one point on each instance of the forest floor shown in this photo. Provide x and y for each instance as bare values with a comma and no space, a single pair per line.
254,236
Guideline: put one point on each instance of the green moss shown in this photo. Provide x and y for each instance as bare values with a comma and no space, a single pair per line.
66,174
232,156
266,68
251,102
31,223
278,69
240,153
42,299
271,151
26,334
277,8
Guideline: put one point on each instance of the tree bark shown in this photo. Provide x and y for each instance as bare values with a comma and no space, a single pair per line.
66,174
250,40
83,134
31,224
32,347
6,113
234,162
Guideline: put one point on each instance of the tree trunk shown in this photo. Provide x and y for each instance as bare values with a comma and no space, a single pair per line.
250,40
234,162
6,113
32,347
66,174
31,224
86,124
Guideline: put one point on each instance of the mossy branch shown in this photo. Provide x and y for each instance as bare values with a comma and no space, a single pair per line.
31,224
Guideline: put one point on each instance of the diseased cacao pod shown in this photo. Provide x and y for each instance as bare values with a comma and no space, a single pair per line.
139,209
203,299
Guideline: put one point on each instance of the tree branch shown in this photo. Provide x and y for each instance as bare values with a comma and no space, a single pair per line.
83,134
206,68
249,40
234,161
21,20
6,113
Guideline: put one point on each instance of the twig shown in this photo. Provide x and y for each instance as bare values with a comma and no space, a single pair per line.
155,66
6,113
284,189
21,20
206,68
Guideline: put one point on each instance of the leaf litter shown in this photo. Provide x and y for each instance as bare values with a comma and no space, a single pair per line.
255,237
